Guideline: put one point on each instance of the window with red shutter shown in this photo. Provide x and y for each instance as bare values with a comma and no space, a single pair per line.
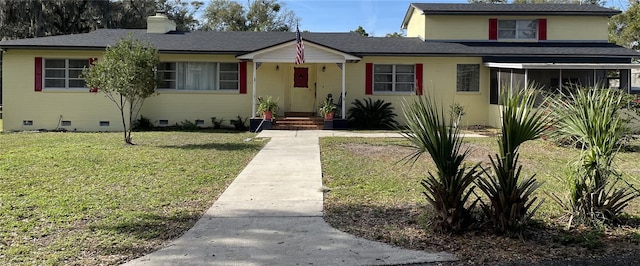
38,74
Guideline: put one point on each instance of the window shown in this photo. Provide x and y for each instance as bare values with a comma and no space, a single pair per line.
198,76
518,29
64,73
468,77
393,78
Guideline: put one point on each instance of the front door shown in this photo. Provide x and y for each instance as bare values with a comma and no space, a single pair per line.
303,91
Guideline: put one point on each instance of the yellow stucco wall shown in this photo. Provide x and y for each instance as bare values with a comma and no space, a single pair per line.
559,28
177,106
85,110
416,24
439,78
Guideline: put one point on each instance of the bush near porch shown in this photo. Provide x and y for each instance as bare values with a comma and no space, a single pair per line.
87,199
376,196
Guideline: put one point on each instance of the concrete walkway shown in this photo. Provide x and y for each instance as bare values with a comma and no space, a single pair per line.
271,214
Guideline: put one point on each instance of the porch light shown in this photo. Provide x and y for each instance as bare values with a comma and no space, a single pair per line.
277,68
324,68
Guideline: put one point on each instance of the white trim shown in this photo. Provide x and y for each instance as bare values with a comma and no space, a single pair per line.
253,94
291,59
344,93
563,65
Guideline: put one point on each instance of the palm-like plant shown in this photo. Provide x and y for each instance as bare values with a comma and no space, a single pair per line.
369,114
449,189
511,196
591,118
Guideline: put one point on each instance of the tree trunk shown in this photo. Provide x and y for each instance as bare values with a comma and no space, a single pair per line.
127,135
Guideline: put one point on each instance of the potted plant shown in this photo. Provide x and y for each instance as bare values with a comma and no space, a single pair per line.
327,108
267,106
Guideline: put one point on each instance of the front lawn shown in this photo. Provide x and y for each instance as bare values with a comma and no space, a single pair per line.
376,196
88,199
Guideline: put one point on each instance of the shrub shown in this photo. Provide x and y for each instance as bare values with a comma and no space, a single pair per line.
369,114
217,124
448,190
456,111
591,118
142,124
511,196
239,123
187,125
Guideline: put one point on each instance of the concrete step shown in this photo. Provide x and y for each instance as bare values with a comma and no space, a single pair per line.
299,123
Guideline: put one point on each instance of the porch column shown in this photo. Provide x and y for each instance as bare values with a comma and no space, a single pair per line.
344,95
625,80
253,97
560,83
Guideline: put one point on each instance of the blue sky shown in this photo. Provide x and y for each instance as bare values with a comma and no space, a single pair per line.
377,17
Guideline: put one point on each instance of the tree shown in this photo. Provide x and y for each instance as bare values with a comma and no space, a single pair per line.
624,28
360,30
265,15
591,2
38,18
489,1
395,35
510,192
126,75
592,118
449,188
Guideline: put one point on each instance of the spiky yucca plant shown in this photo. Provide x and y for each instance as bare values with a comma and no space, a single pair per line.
448,189
512,202
591,118
369,114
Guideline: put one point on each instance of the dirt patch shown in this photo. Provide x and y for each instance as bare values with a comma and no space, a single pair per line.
406,225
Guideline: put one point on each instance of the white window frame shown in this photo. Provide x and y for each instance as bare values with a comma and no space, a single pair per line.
66,77
519,29
394,81
467,87
177,75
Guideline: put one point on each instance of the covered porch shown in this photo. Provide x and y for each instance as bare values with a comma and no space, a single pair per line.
557,77
299,88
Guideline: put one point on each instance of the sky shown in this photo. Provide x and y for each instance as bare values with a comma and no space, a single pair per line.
377,17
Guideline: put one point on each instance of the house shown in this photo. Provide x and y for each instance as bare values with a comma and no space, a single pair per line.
463,53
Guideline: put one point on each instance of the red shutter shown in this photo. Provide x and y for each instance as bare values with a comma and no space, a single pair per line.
493,29
418,79
368,85
243,77
38,74
542,29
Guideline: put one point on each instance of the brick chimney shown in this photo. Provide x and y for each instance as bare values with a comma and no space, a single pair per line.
160,23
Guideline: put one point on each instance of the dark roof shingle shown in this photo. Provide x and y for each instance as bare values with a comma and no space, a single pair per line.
237,43
515,9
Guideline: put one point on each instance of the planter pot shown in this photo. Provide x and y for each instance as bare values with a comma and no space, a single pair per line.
328,116
267,115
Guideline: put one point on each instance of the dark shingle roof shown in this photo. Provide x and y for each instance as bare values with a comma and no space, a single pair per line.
514,9
237,43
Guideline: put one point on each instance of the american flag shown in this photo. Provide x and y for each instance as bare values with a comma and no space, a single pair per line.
299,47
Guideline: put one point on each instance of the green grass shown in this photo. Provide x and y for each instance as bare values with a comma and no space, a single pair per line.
373,170
86,198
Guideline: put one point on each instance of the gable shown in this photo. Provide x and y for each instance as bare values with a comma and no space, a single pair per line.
286,52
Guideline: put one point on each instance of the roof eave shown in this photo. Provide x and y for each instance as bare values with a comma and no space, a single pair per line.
407,16
520,13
